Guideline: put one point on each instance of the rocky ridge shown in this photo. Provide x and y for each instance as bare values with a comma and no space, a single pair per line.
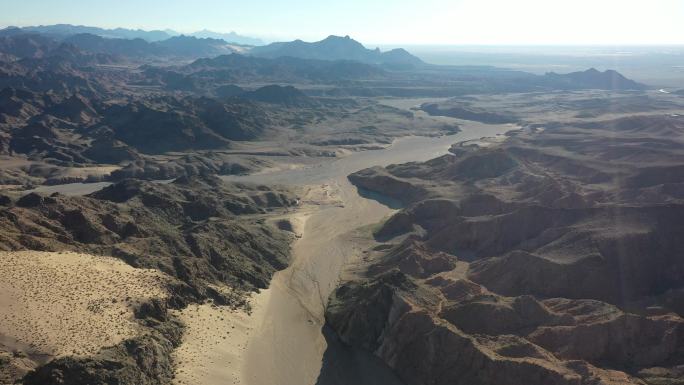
198,229
550,258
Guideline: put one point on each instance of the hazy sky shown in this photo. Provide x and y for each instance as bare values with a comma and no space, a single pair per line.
380,21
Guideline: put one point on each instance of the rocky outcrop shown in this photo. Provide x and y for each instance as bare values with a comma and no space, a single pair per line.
164,130
375,179
467,113
67,129
392,317
188,166
145,360
198,229
75,108
275,94
414,259
552,258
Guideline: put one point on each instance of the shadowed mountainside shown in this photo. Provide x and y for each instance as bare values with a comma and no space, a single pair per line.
62,31
551,258
593,78
200,230
337,48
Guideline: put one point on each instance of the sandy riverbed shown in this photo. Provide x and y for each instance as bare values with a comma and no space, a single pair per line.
286,344
282,341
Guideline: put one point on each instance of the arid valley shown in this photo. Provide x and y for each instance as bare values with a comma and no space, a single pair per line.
191,210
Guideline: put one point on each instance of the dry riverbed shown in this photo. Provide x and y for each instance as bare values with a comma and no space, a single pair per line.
285,342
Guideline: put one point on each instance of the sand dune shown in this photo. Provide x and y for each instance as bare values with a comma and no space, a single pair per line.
70,303
212,344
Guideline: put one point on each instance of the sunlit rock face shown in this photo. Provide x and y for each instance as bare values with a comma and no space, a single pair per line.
550,258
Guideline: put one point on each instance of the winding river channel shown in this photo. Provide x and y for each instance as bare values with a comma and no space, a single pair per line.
289,346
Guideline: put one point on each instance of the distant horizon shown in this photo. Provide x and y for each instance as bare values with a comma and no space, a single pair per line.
382,22
533,58
368,44
122,27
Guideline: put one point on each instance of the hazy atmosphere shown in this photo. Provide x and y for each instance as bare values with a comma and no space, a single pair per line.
382,21
405,192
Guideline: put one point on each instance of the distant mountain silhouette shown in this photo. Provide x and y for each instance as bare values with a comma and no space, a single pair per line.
337,48
122,47
177,46
190,46
27,52
65,30
230,37
239,68
593,78
142,44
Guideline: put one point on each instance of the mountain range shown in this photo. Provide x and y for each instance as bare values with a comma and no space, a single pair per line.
34,45
62,31
337,48
139,45
60,63
209,44
231,37
593,78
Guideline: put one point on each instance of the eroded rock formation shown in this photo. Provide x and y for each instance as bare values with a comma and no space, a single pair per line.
554,257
